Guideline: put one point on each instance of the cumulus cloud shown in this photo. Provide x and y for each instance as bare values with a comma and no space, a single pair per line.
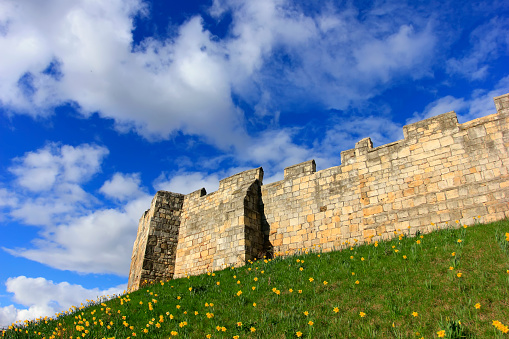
51,178
45,298
259,27
8,315
32,42
83,52
57,165
98,242
274,53
48,191
122,186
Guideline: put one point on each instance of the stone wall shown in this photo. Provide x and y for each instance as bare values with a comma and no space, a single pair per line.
217,230
442,171
155,247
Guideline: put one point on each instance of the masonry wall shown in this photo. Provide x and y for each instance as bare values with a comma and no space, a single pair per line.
440,172
219,229
155,247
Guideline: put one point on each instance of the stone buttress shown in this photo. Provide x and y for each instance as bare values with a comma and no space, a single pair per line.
155,247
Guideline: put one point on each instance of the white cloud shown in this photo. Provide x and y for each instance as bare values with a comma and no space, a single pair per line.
260,26
51,179
274,53
122,186
75,235
331,56
439,106
99,242
31,42
187,182
400,52
45,298
186,83
8,200
8,315
57,165
275,148
159,88
481,103
487,41
478,105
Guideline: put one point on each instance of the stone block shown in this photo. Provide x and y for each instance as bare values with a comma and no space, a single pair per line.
372,210
431,145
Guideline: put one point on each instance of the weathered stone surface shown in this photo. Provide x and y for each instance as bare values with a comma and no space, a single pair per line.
155,246
442,171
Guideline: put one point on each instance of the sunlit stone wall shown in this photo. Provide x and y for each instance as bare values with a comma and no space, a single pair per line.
440,173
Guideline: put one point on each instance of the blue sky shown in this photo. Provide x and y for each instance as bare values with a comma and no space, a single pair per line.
102,103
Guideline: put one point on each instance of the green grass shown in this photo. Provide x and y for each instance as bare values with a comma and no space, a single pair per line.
390,289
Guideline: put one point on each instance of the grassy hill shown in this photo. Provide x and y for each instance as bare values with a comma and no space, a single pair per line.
451,283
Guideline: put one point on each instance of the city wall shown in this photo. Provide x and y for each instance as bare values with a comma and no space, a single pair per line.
442,171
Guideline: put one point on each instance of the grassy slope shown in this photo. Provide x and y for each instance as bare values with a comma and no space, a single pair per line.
414,296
